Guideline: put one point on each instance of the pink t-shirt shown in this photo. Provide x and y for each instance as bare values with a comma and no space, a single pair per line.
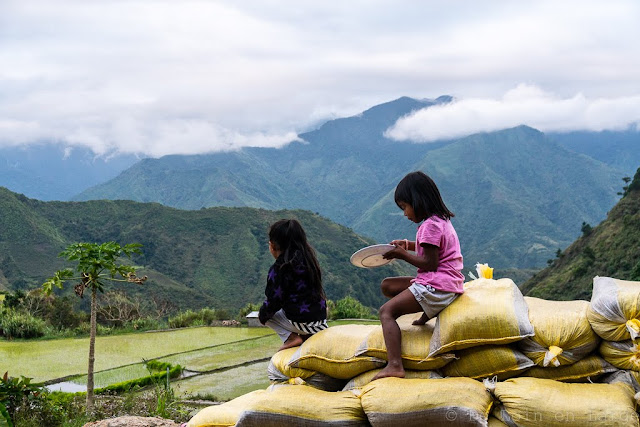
448,276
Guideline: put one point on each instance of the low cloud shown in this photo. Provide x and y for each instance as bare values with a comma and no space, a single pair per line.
161,78
525,105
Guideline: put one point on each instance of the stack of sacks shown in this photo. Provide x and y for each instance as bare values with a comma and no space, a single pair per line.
614,314
563,343
533,351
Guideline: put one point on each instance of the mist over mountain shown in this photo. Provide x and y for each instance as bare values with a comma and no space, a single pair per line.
54,172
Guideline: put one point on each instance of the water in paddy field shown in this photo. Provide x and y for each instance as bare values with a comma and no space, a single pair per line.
67,387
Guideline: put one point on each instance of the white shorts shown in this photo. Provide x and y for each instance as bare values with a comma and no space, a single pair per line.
284,327
432,300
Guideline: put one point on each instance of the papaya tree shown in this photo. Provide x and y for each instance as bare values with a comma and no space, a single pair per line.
96,264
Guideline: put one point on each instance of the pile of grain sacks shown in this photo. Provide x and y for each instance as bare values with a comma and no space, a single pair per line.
492,358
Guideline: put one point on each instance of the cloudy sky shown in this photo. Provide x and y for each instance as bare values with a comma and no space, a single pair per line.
160,77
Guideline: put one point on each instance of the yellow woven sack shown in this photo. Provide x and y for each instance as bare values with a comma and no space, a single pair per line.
489,312
280,364
526,402
415,345
563,334
488,361
625,376
279,371
614,312
332,352
226,414
589,368
300,405
494,422
621,354
404,402
366,377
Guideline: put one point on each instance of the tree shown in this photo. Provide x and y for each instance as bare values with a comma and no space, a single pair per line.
625,188
96,264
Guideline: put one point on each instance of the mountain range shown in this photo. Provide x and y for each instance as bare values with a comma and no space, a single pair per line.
519,195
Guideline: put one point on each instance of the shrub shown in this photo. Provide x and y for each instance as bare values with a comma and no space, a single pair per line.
204,317
16,393
14,324
61,314
350,308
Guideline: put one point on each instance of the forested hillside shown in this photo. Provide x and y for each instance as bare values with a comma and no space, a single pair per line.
608,249
216,257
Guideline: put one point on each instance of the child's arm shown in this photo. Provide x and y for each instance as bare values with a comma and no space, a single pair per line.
273,294
428,262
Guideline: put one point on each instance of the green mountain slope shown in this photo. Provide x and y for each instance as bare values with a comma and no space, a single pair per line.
215,257
609,249
517,196
346,161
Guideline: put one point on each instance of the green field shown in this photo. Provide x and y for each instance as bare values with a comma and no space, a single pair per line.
52,359
223,362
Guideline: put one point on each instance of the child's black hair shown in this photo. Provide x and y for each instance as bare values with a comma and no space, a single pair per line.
290,238
418,190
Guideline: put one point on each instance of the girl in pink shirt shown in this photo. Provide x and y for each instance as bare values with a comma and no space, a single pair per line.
436,254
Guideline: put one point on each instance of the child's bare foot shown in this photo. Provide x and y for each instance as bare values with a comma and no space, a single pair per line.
422,320
390,371
294,340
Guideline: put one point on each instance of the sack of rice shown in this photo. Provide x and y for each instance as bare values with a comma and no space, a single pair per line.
300,405
629,377
585,370
563,334
332,352
526,402
279,371
614,312
488,312
366,377
487,361
621,354
494,422
405,402
226,414
415,344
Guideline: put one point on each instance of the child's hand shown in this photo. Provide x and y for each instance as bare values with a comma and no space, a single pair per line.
403,243
397,252
422,320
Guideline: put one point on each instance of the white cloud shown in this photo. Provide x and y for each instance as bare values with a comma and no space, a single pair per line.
115,75
526,104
